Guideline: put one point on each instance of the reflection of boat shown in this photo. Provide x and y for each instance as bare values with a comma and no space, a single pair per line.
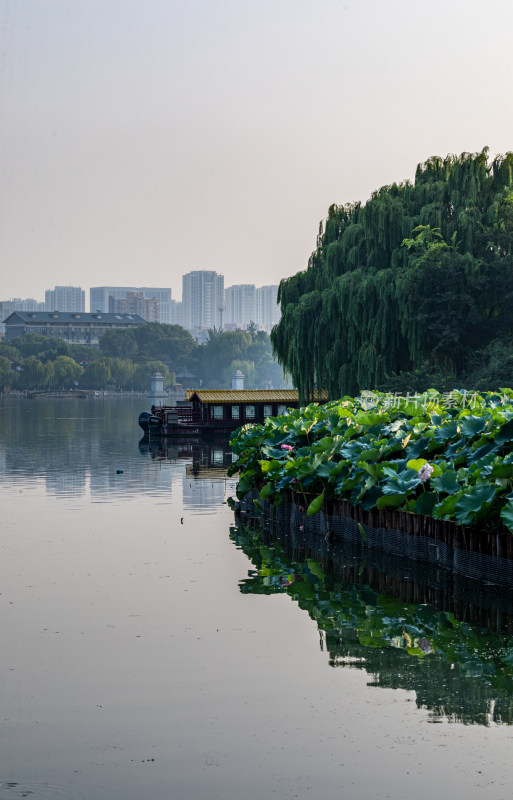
218,410
206,459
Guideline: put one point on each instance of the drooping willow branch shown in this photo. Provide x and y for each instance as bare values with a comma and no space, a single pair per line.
422,272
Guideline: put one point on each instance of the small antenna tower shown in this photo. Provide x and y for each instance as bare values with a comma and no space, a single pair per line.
221,309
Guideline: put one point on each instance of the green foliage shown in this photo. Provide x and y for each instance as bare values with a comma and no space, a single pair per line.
249,351
125,358
457,668
417,280
246,367
36,374
122,372
446,456
141,378
97,374
6,375
168,343
119,343
507,515
34,344
315,506
66,373
9,351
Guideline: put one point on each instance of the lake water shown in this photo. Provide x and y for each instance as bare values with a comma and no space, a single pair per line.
152,648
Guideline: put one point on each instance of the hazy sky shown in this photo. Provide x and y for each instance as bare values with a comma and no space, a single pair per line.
142,139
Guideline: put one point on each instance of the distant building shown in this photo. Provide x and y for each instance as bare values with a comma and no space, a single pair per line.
175,313
268,311
202,300
136,303
99,298
76,328
65,298
240,305
6,308
17,304
27,304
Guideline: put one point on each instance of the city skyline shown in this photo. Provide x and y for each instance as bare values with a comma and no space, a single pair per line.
205,303
29,304
143,141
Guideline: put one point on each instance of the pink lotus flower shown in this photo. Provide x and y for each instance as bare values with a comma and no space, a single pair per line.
286,447
425,472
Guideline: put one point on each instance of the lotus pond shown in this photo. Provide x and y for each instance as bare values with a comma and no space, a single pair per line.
447,457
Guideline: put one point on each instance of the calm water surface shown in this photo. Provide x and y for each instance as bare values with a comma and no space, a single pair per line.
152,648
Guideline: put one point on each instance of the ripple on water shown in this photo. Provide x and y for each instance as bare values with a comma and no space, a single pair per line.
13,790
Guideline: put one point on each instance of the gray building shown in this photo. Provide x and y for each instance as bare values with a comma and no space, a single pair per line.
268,311
65,298
6,308
99,298
74,328
240,305
175,313
27,304
17,304
202,300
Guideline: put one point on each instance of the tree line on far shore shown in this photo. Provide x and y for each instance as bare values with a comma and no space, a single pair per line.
126,360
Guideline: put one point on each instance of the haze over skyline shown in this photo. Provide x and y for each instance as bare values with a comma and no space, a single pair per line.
140,141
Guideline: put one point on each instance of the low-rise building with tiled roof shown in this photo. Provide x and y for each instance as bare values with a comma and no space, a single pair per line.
73,327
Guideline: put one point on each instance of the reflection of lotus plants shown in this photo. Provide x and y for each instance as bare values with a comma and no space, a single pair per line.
384,456
457,668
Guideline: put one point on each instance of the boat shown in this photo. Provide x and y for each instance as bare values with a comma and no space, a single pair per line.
209,411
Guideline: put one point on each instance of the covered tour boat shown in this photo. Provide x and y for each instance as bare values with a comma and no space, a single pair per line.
218,411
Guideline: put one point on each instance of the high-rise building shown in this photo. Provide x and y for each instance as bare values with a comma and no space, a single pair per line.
240,305
6,308
65,298
202,300
175,313
27,304
99,297
268,311
136,303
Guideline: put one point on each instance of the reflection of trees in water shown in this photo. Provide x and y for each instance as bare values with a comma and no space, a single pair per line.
63,439
75,445
447,689
457,656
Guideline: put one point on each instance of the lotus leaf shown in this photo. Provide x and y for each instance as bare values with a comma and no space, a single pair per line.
425,503
447,482
507,515
346,450
316,505
474,501
505,434
470,426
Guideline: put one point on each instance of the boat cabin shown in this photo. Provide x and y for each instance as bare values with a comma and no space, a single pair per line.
221,410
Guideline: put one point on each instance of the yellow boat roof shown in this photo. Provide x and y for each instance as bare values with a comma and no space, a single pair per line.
247,395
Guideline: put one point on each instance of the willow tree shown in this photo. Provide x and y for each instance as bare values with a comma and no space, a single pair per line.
421,273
